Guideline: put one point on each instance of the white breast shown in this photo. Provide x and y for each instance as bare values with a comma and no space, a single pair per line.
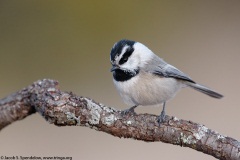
147,89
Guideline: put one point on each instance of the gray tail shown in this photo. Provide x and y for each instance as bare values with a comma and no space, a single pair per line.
205,90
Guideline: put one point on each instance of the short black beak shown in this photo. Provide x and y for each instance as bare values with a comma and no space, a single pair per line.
114,67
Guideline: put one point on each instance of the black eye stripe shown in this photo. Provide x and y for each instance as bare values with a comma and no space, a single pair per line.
126,55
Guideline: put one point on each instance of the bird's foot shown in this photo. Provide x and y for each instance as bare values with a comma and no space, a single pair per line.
161,118
129,111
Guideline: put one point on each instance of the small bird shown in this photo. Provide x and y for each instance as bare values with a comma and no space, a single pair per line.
143,78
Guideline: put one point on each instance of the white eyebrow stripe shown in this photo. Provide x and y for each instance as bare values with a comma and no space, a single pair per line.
123,51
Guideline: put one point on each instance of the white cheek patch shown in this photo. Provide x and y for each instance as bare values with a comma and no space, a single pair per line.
132,63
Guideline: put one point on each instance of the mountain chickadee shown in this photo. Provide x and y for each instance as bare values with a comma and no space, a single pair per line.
142,78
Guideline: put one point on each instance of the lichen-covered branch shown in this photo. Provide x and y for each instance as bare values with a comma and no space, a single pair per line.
66,109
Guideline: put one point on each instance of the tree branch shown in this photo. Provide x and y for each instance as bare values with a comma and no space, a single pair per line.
66,109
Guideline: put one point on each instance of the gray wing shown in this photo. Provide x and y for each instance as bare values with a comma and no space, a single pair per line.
161,68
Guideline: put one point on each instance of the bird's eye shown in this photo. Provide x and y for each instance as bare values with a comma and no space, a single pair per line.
125,60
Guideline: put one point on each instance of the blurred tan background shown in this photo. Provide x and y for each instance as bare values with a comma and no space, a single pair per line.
70,41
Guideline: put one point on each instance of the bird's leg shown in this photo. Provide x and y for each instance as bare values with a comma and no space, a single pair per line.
161,117
129,110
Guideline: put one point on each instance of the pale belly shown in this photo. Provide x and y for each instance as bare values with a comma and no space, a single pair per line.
148,89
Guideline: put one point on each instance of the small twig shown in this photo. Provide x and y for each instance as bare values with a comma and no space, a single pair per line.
66,109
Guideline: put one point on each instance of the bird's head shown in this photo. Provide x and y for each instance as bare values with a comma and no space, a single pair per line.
129,56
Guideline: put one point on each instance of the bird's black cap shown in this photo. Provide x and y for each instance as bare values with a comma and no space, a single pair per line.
117,48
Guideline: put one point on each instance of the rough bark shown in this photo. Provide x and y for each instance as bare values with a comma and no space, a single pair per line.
66,109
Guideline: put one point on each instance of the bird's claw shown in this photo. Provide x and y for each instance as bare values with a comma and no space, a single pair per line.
128,111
